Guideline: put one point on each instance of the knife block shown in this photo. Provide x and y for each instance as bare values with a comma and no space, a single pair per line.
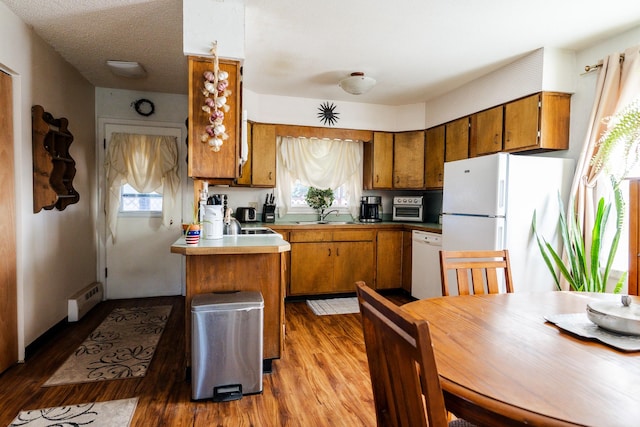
268,213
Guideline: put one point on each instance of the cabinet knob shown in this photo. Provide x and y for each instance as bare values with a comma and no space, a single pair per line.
270,175
329,251
337,251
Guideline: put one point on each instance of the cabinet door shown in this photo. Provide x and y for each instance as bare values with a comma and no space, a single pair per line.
406,260
389,259
382,160
352,261
408,160
457,139
521,120
311,268
263,155
486,132
203,162
244,180
434,157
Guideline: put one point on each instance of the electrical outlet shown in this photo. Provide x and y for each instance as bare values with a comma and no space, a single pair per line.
253,205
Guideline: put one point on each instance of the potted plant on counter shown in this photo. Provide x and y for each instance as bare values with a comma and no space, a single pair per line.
618,152
319,199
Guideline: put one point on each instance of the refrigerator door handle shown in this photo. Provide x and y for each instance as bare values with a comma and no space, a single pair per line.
501,193
500,236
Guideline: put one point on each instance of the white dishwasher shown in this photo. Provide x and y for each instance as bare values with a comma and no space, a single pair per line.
425,264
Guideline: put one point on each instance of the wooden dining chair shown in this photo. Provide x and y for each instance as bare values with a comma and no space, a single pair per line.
404,376
476,271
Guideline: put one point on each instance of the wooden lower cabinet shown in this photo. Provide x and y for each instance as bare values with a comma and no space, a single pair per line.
389,259
327,262
406,260
263,272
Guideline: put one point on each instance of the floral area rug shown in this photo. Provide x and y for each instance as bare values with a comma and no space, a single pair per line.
324,307
121,347
114,413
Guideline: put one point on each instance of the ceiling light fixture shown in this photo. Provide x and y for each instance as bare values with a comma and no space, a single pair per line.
357,83
132,70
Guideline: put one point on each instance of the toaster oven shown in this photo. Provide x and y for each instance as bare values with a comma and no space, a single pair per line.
408,208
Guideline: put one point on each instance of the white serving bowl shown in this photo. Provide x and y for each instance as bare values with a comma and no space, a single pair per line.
614,316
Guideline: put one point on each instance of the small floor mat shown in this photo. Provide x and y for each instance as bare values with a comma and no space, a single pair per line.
324,307
121,347
114,413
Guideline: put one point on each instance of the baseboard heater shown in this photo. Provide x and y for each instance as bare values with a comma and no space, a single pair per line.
84,300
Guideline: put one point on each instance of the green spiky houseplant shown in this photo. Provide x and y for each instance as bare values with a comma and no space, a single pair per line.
618,151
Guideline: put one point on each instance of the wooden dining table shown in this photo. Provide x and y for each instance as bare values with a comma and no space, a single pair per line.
501,363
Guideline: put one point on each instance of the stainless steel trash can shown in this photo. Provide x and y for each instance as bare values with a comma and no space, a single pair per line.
226,345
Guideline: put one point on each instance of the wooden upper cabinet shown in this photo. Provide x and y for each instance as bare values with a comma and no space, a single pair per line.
457,139
263,154
408,160
538,122
203,162
486,132
244,177
434,157
378,162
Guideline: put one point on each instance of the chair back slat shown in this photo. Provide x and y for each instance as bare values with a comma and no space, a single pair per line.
404,377
480,271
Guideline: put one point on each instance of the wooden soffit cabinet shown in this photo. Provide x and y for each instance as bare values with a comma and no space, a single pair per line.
203,162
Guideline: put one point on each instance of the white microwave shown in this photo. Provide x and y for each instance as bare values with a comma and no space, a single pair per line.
408,208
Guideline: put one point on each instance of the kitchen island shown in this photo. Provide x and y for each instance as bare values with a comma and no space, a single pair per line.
239,263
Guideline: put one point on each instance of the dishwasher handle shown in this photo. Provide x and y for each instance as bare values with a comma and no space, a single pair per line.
430,239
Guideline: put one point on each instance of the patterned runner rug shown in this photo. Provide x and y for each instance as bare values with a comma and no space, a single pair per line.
114,413
121,347
323,307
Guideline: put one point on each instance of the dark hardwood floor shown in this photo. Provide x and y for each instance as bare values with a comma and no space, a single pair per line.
321,380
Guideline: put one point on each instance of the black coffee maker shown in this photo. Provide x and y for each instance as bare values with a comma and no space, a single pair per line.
370,209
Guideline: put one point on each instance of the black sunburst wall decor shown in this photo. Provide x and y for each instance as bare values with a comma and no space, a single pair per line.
327,114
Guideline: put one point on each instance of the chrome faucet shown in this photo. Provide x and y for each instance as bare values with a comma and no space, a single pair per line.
323,214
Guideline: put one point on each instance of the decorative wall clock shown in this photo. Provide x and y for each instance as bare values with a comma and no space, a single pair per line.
144,107
327,114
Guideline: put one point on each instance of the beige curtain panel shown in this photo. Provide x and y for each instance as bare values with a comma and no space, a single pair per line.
618,84
146,162
321,163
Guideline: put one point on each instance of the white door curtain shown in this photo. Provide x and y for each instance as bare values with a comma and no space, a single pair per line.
146,162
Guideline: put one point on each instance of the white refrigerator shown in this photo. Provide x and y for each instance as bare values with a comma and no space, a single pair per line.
489,201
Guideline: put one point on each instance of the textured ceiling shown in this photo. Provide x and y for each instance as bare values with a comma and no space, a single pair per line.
415,49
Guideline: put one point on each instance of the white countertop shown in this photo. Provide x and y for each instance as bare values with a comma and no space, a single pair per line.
233,244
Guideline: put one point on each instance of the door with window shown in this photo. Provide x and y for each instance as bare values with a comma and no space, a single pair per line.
138,263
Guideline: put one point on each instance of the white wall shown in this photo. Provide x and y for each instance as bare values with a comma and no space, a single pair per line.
352,115
56,250
544,69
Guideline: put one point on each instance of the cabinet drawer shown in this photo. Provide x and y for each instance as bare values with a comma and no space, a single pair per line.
310,236
353,235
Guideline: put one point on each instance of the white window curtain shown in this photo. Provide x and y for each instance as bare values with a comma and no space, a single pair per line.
321,163
146,162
